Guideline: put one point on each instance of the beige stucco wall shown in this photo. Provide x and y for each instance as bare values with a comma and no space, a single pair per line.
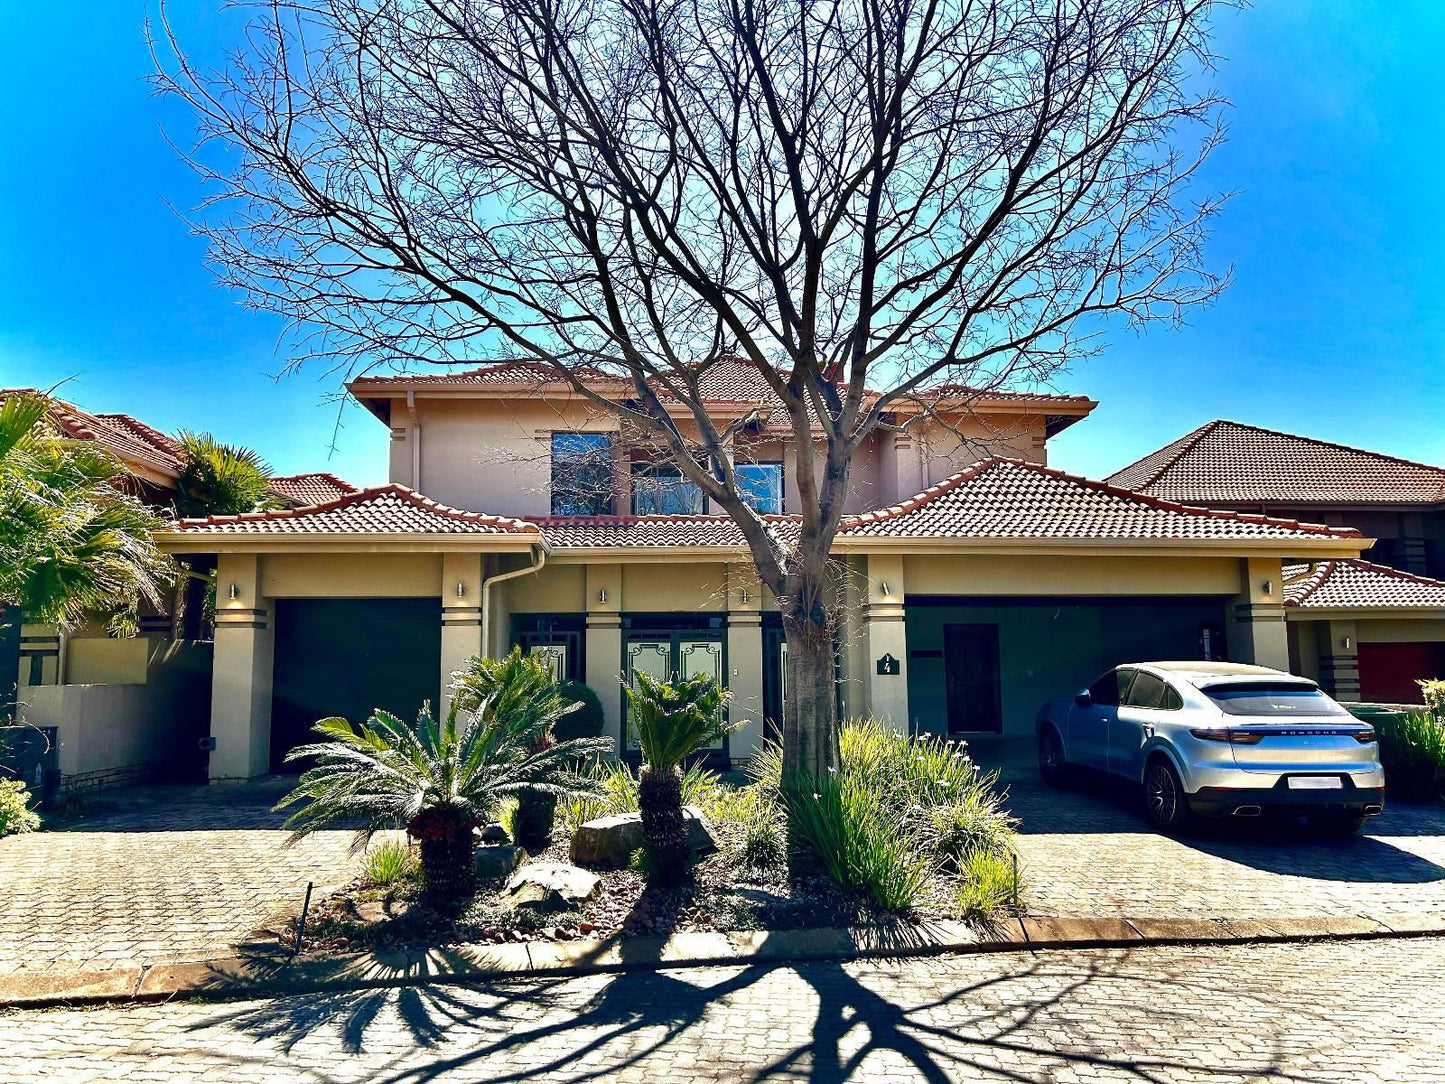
1006,574
96,661
1399,630
348,575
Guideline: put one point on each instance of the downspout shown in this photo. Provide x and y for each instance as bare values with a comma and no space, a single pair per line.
541,559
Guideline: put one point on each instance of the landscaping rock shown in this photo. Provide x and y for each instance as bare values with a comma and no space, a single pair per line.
551,887
494,863
495,833
609,842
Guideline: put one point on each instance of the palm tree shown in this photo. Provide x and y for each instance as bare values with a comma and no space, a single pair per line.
672,721
519,685
73,543
437,780
220,479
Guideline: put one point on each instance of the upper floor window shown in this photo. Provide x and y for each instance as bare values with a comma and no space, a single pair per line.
659,489
761,485
581,474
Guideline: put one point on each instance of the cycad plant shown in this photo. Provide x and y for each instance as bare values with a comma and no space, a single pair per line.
437,780
672,721
220,479
73,542
520,686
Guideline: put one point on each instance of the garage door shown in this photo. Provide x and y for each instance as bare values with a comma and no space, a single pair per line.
349,657
1388,672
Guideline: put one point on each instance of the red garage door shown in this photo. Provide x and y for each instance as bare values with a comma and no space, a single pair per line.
1388,672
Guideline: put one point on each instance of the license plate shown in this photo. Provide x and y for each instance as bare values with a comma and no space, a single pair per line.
1314,782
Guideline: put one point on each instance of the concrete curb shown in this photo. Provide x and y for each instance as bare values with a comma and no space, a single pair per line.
268,976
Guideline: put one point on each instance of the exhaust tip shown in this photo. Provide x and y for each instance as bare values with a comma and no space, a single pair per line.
1247,811
1374,810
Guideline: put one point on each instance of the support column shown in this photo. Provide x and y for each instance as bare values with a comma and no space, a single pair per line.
745,662
39,655
1257,631
461,617
241,675
1339,649
887,641
604,645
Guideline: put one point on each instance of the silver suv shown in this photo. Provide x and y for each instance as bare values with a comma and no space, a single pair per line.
1217,740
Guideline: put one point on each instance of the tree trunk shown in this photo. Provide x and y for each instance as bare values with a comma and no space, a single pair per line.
449,873
810,712
664,830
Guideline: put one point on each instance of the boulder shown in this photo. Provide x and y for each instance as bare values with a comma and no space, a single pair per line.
494,863
551,887
494,833
609,842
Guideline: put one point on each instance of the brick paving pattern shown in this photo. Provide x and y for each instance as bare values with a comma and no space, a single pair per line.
1365,1012
1089,851
174,873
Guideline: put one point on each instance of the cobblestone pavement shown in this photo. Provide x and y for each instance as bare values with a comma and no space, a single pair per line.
1089,851
1294,1014
175,873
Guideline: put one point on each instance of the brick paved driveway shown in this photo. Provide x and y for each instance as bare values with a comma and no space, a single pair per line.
1089,851
1290,1014
176,873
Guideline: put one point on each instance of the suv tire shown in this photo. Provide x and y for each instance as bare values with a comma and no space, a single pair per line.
1164,801
1053,768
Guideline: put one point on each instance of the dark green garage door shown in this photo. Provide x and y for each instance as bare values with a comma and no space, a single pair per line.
348,657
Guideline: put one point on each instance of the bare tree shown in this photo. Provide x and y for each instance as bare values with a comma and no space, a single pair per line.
850,194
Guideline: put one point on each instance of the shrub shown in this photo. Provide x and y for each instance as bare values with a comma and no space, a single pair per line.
989,882
437,780
763,845
1434,691
673,720
1412,750
389,864
614,791
895,806
584,721
16,816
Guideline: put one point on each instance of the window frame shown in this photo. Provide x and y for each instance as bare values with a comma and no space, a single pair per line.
602,501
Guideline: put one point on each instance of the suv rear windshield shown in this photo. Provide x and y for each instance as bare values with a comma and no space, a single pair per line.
1272,699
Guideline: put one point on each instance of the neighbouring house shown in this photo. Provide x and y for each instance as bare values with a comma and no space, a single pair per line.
1367,630
973,579
114,710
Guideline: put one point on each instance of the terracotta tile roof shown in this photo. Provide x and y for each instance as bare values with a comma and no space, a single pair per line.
1228,462
316,487
509,373
134,442
1008,498
389,509
582,532
1355,584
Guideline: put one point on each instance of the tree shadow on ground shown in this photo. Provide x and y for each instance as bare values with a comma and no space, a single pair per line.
1043,1017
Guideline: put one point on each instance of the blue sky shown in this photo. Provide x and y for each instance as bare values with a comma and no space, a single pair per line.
1333,326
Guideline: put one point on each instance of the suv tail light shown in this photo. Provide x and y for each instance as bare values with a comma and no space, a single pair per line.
1234,737
1366,736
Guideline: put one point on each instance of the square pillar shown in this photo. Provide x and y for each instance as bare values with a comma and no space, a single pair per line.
241,675
604,645
886,640
1339,652
745,662
461,617
1257,632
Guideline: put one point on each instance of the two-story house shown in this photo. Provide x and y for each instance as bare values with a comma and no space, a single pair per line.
972,579
1367,629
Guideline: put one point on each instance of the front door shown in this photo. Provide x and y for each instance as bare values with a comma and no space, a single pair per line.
971,678
665,656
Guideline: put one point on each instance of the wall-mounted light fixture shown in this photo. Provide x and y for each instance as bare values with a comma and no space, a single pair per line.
1266,587
743,594
235,592
461,589
1348,643
883,586
602,595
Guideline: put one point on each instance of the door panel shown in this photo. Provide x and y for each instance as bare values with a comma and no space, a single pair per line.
702,657
1088,737
653,658
971,678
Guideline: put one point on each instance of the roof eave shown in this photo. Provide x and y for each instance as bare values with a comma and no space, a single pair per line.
1236,547
1356,613
344,542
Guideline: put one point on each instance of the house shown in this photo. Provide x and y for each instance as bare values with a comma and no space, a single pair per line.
1366,629
117,710
973,579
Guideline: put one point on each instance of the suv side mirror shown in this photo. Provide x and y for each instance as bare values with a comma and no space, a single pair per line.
1083,698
